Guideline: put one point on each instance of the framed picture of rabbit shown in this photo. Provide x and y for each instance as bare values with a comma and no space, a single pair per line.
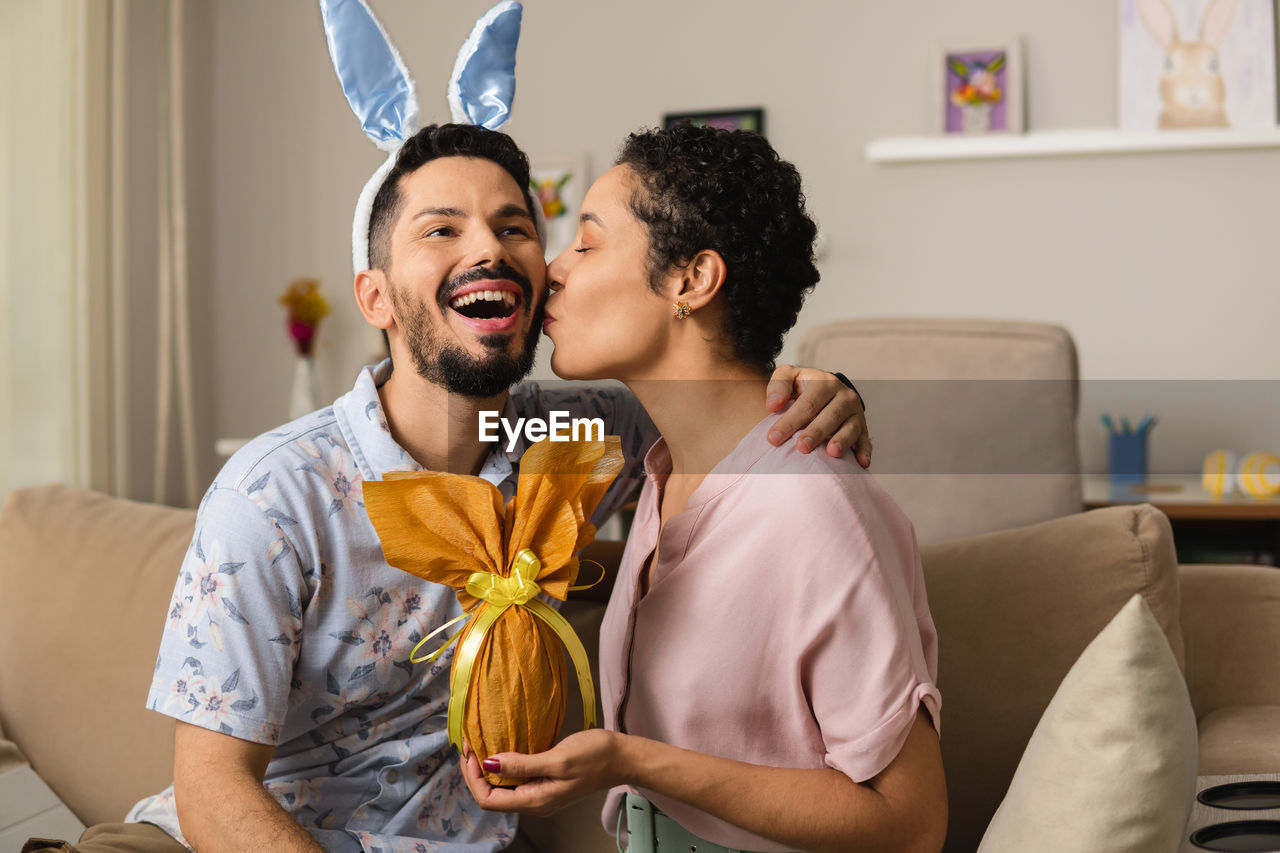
1197,64
978,88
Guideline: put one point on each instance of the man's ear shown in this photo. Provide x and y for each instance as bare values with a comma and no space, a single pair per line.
373,295
701,279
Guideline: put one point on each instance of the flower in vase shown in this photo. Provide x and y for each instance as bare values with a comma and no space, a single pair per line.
306,307
978,80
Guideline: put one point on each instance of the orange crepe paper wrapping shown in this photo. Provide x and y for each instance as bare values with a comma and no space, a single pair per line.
507,691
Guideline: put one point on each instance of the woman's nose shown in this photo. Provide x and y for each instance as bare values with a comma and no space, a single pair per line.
559,267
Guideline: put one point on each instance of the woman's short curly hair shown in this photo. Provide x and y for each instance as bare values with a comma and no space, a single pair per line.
728,191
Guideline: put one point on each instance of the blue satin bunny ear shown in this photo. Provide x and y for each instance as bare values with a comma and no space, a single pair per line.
484,77
373,76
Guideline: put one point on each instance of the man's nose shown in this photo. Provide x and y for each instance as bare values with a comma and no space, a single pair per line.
486,249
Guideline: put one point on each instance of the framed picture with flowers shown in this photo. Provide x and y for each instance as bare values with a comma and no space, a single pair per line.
558,184
978,87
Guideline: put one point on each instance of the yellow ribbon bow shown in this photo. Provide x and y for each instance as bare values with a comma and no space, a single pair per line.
455,530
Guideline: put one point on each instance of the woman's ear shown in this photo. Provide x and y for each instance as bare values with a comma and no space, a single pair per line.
374,298
701,279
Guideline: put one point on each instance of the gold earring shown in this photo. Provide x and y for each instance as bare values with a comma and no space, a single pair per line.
682,310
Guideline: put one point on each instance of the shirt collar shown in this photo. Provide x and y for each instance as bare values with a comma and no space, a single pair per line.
364,425
657,462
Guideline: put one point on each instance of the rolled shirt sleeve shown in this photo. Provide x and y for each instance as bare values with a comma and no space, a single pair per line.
234,624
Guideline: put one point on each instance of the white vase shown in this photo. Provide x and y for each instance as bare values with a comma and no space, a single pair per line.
303,397
975,118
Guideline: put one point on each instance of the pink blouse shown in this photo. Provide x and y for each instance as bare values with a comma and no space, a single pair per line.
785,624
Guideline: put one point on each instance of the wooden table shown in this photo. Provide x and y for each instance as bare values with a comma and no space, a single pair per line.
1202,815
1181,498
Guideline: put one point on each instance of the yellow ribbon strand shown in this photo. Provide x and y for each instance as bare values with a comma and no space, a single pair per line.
495,589
498,593
431,657
595,582
578,654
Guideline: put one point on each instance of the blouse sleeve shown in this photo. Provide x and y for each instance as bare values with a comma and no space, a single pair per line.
867,663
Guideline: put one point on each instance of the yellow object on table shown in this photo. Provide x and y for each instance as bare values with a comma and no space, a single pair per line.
1257,475
507,685
1219,473
1260,474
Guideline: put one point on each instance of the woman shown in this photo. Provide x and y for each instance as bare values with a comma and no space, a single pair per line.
767,658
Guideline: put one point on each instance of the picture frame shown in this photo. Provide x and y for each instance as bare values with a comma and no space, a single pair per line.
1197,64
558,184
745,118
977,87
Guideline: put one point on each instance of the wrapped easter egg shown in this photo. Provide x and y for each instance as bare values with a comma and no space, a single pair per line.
508,678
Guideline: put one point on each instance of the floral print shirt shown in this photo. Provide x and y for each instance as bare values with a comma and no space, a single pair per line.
288,628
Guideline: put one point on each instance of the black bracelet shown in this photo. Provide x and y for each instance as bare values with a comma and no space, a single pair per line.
845,379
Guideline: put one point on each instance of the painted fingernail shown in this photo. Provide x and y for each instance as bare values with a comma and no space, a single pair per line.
774,436
491,765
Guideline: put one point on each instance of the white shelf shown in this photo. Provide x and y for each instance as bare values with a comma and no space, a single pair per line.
1063,143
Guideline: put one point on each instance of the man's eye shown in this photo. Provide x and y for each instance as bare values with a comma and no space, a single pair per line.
514,231
442,231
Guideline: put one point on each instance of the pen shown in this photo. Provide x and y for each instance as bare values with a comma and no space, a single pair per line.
1124,422
1147,423
1106,422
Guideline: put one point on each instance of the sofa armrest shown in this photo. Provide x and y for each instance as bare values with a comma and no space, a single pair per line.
1231,633
11,757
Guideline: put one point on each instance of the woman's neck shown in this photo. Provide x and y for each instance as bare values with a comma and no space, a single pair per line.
704,413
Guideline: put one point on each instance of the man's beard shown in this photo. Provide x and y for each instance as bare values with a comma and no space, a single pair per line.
451,366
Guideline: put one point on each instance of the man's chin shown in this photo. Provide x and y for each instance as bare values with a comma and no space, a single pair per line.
485,374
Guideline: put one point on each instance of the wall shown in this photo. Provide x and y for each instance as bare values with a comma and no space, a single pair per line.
1162,266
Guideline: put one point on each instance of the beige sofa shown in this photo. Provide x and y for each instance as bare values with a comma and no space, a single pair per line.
974,421
85,580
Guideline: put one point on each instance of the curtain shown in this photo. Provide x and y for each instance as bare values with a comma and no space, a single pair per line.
96,360
38,330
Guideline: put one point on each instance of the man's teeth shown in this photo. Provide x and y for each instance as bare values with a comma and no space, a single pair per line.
504,296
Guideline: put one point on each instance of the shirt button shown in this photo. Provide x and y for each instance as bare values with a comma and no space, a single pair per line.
392,777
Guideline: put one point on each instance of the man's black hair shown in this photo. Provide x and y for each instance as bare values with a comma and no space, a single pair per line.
430,143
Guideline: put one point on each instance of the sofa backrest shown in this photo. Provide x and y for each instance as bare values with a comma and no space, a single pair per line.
1014,610
973,421
85,581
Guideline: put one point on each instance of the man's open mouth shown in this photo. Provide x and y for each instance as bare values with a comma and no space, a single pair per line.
488,306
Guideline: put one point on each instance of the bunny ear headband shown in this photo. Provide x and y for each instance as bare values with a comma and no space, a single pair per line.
382,94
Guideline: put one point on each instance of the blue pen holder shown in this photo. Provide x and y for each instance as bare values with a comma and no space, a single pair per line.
1128,457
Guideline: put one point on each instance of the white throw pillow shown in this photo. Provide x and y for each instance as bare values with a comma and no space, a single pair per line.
1111,765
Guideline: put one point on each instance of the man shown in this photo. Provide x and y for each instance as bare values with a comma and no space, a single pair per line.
302,725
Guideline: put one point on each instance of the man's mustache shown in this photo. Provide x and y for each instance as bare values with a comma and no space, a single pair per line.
471,276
